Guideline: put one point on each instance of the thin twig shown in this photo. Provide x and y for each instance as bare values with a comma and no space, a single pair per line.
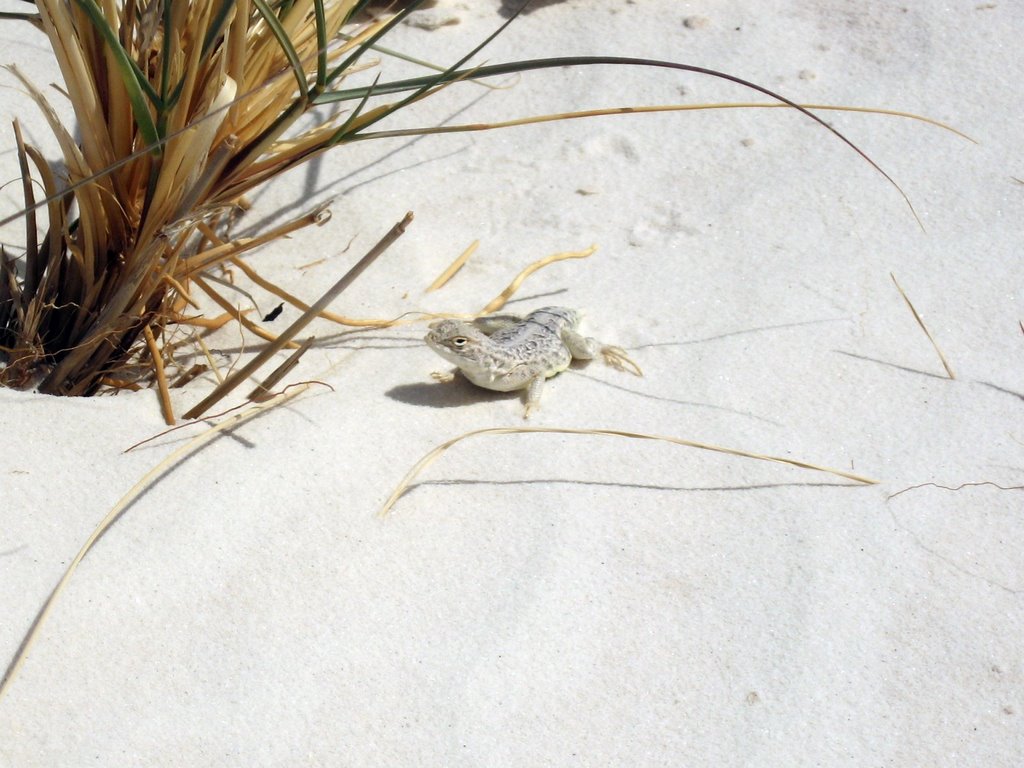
305,319
262,391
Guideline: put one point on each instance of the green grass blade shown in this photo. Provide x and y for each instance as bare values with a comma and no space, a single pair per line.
146,86
399,55
352,59
419,85
130,75
448,76
321,45
286,45
219,20
342,132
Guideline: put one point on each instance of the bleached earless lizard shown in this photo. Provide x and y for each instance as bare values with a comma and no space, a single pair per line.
509,352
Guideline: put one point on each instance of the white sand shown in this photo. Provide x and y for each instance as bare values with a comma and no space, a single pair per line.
562,600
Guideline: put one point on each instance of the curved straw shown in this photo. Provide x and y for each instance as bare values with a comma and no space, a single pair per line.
436,452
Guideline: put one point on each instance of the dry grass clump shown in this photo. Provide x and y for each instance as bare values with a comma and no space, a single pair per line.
183,108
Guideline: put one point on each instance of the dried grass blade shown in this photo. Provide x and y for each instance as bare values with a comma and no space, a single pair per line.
182,291
499,301
208,323
112,516
203,260
454,267
56,217
90,205
185,377
10,296
436,452
238,314
208,176
209,359
638,110
62,30
121,311
295,301
847,108
161,377
920,322
32,18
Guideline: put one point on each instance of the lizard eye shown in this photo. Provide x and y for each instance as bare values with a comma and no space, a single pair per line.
459,341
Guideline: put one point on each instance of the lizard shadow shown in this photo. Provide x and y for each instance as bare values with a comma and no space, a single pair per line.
450,394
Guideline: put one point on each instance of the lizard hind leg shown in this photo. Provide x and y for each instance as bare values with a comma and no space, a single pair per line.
585,348
580,347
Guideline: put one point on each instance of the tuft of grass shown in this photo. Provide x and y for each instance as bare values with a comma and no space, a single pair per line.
183,109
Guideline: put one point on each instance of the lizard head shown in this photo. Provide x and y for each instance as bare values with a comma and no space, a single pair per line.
456,341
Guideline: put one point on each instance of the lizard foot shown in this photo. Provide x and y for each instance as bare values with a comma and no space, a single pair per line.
444,378
617,358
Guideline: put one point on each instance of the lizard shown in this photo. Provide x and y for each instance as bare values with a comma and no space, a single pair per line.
508,352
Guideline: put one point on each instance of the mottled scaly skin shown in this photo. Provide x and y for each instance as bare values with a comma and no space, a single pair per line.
508,352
